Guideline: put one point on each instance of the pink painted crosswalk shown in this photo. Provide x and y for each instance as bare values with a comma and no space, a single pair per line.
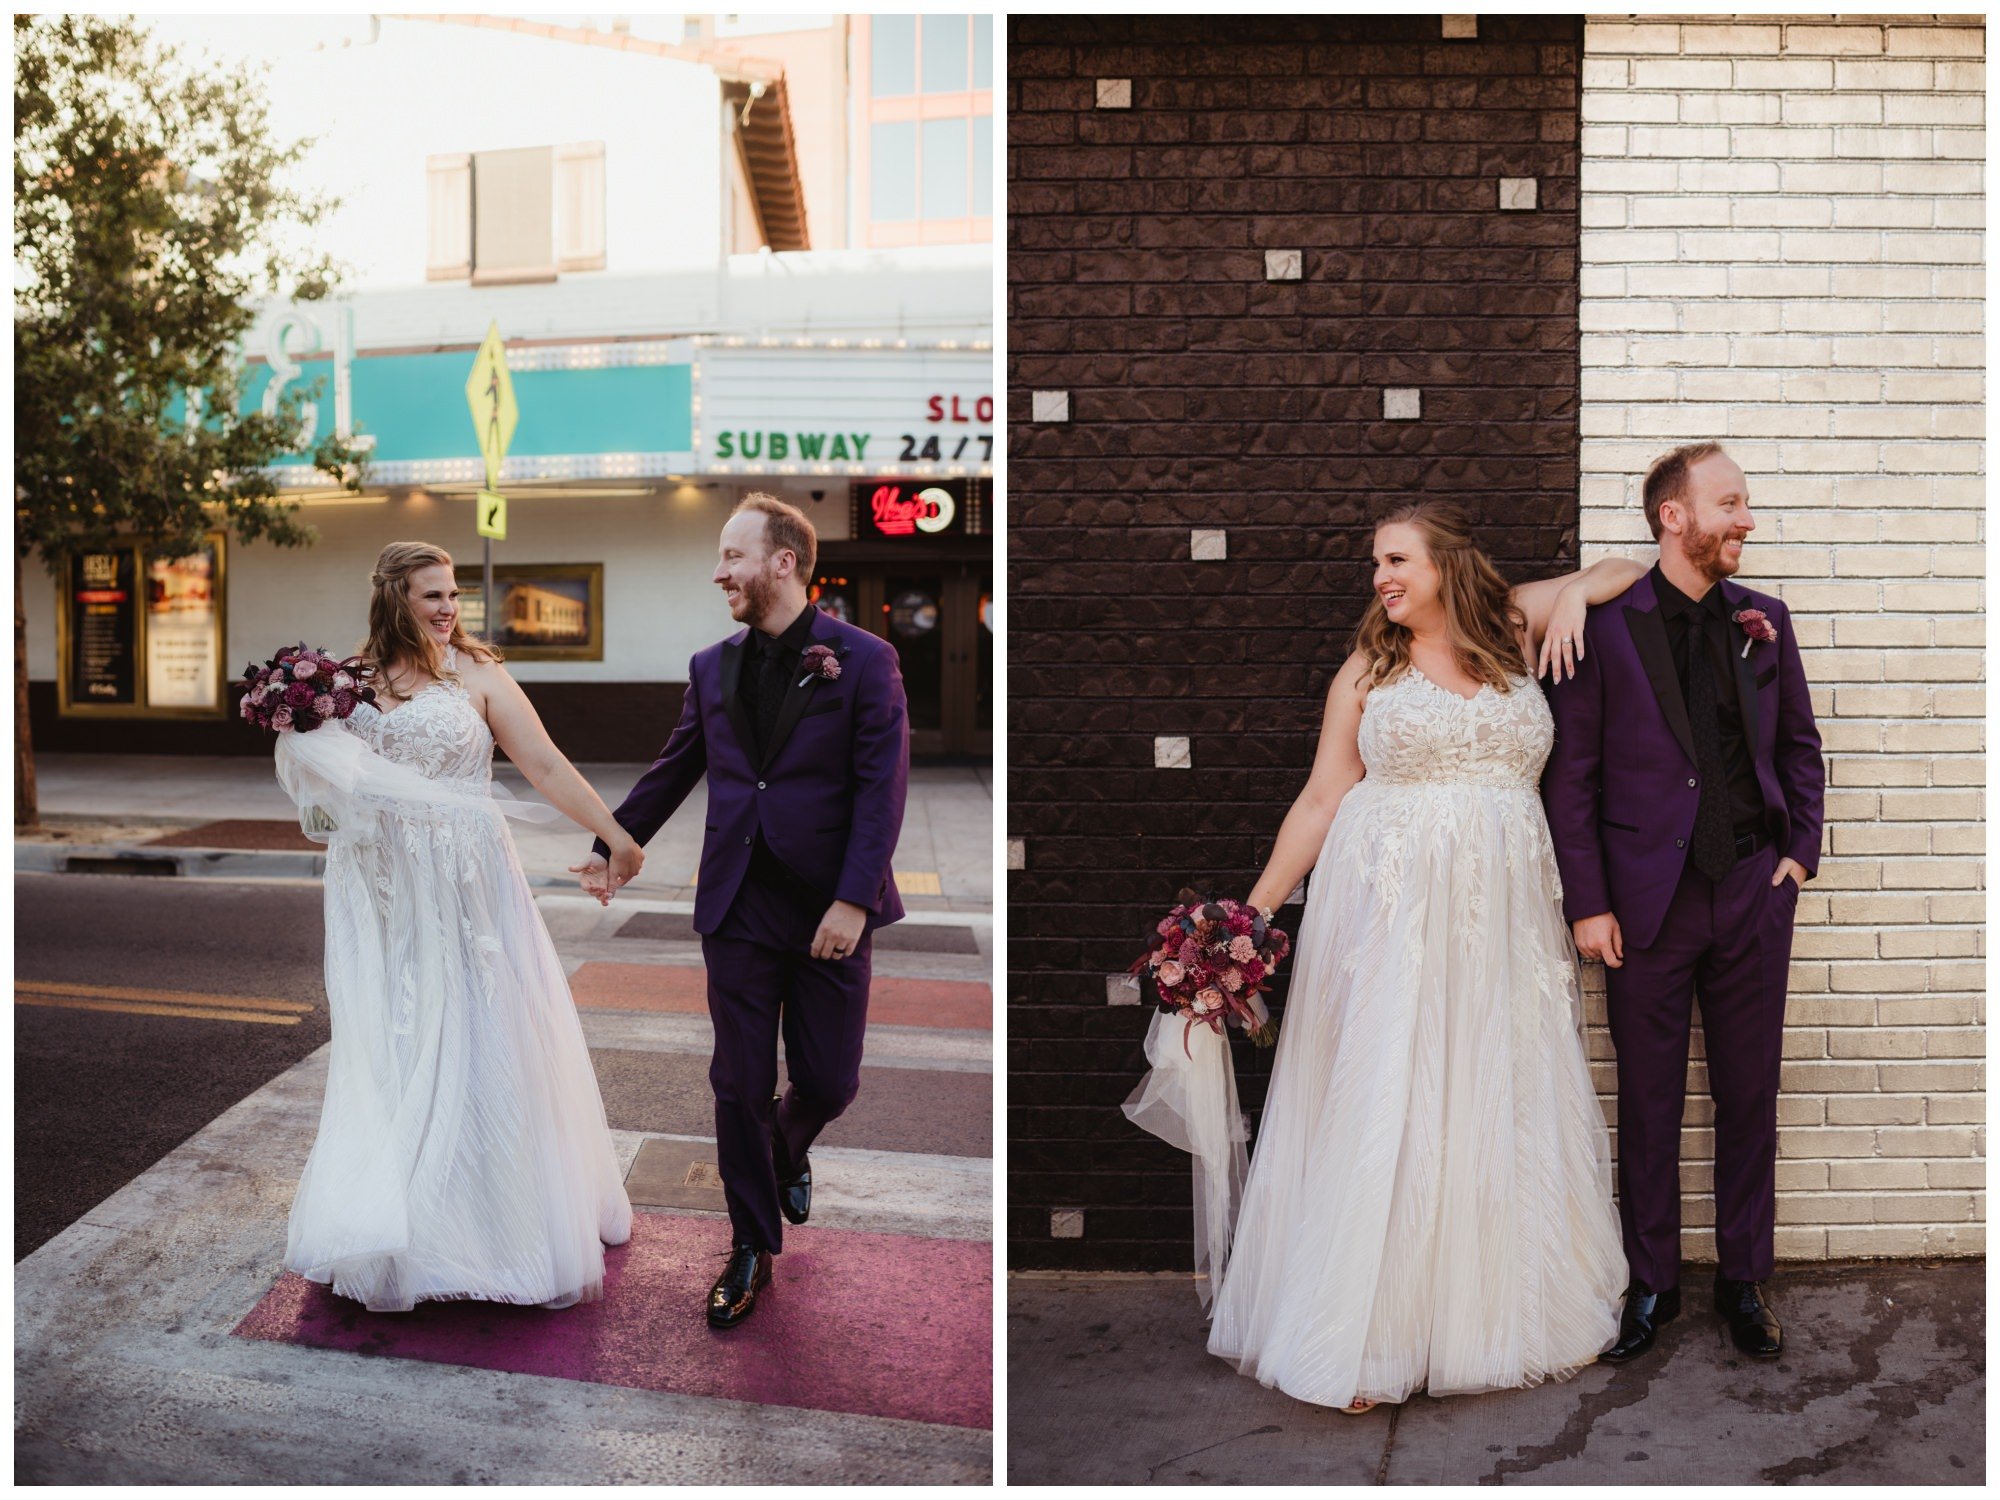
872,1324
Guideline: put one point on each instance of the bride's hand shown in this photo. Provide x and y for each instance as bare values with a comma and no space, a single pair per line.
1562,643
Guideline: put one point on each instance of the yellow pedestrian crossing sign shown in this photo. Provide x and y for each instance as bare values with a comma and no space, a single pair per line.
493,515
489,391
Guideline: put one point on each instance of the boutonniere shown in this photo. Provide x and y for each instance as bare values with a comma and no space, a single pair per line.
1756,625
822,662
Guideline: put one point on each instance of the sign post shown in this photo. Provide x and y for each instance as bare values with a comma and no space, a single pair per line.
489,392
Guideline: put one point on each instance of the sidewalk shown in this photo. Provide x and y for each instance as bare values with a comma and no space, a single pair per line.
1882,1382
116,807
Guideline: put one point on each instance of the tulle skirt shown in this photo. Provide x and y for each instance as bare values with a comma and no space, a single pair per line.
1429,1200
463,1150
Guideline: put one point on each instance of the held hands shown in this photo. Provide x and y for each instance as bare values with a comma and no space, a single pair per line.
602,879
1562,642
1599,937
839,930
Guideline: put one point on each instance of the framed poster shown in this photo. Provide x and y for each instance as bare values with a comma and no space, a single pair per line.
139,634
545,611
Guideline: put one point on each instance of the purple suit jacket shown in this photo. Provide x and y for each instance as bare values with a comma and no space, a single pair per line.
827,795
1620,783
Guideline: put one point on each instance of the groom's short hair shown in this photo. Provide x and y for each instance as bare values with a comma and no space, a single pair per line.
1668,478
786,529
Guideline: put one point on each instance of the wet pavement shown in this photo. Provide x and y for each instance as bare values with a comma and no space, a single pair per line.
1883,1382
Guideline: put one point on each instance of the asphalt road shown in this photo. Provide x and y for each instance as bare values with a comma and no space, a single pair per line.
101,1094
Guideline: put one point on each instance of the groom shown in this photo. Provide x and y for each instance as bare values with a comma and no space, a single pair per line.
1684,796
800,725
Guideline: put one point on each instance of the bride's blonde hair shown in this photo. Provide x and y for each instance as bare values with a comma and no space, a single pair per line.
1481,619
395,634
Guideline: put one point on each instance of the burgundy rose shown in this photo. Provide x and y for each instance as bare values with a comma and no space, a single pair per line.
820,662
300,696
343,702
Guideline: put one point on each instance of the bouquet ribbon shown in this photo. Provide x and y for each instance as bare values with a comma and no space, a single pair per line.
340,785
1188,1100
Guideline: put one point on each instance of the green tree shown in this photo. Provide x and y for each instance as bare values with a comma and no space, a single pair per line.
151,211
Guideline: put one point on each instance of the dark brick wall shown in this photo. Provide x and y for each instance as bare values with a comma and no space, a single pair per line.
1204,396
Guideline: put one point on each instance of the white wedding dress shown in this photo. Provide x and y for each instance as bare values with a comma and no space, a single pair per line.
1429,1201
463,1150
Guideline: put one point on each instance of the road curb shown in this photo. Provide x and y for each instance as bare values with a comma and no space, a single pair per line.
150,859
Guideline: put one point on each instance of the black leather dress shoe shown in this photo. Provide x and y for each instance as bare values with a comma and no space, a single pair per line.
1646,1313
1752,1325
795,1179
734,1295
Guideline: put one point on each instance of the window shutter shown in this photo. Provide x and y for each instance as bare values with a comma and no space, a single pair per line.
580,207
450,254
513,217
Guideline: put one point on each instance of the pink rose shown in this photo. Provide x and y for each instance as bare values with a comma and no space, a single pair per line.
282,719
1171,973
342,682
1208,1000
1242,949
303,668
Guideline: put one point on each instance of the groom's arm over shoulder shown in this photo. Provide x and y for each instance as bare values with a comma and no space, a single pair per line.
1800,766
881,775
1573,779
683,761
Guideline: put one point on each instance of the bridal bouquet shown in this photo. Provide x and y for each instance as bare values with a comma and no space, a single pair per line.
1211,963
301,688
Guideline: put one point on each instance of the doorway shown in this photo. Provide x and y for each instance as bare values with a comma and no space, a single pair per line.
938,614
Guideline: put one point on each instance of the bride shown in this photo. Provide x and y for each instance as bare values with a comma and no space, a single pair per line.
1429,1204
462,1150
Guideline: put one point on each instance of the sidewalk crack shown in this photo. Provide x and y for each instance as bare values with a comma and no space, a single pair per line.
1153,1473
1389,1446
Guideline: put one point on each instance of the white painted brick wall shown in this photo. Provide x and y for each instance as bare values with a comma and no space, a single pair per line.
1782,251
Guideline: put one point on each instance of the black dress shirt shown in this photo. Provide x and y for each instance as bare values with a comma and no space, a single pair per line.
1707,621
769,670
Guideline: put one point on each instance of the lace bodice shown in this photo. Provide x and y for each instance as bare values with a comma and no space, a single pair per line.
1415,732
439,731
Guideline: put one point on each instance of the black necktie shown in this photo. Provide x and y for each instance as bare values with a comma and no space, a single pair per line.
1714,835
772,672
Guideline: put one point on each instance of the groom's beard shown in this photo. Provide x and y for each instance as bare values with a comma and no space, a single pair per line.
1703,551
759,594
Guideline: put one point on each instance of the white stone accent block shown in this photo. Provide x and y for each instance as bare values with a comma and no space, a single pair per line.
1051,406
1173,752
1017,854
1066,1224
1517,192
1457,28
1284,265
1402,403
1114,93
1208,546
1121,989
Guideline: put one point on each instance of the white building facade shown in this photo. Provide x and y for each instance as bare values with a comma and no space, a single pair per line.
581,192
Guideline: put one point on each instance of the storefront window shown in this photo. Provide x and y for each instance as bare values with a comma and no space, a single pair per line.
982,52
140,632
944,169
892,55
911,604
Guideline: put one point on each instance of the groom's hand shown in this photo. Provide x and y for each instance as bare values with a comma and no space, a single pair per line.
839,930
1599,937
1792,868
594,875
